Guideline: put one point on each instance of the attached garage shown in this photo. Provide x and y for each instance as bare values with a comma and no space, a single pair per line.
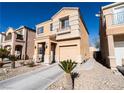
119,52
68,52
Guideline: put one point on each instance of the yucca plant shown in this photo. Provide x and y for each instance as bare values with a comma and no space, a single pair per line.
68,66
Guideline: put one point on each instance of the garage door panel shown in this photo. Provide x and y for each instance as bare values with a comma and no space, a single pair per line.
68,52
119,52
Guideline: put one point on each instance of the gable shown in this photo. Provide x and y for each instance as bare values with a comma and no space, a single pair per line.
9,30
65,12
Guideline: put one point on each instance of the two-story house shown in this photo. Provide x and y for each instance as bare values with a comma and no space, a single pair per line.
112,34
1,39
63,37
20,42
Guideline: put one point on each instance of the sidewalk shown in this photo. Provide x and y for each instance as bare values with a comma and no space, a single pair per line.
35,80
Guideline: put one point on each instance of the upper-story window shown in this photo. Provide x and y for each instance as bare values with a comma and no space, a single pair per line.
20,32
51,27
119,15
64,22
19,35
9,36
40,30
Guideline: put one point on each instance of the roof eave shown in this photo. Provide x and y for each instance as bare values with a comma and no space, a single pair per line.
112,5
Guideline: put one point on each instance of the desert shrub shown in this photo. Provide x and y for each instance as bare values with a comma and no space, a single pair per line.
13,58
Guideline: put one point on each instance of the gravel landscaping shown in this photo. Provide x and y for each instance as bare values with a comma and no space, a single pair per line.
6,72
93,76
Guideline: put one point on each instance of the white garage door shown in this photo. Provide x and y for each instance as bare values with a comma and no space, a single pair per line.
119,52
68,52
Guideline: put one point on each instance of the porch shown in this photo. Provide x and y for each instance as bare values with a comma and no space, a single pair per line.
116,50
17,50
45,51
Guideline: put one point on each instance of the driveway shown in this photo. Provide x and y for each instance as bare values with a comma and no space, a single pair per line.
36,80
121,69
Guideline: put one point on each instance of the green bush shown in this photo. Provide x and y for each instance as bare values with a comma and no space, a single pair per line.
13,58
3,53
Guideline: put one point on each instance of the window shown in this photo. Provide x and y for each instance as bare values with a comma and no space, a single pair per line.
19,36
51,27
8,37
64,22
19,32
40,30
119,15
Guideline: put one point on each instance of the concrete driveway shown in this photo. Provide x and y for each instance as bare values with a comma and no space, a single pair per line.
36,80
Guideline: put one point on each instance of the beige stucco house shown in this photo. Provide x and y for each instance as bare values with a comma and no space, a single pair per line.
20,42
1,39
62,37
112,34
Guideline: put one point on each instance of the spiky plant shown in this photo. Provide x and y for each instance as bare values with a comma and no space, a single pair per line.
68,66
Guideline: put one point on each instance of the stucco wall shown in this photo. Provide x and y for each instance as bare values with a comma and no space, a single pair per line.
30,43
84,41
108,34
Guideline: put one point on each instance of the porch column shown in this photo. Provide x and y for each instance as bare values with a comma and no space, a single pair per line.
13,44
47,52
111,51
36,52
23,56
57,53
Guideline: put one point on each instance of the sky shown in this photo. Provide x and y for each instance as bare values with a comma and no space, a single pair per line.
30,13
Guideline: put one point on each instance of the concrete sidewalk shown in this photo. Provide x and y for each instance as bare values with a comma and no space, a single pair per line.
38,79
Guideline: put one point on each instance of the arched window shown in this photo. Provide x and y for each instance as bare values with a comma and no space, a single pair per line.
9,36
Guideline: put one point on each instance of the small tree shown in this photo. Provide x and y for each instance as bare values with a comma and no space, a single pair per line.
68,66
3,53
13,58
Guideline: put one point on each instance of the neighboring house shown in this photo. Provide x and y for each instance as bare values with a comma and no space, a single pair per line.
19,42
112,34
1,39
92,51
62,37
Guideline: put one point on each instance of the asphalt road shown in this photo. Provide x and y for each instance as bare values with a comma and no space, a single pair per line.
36,80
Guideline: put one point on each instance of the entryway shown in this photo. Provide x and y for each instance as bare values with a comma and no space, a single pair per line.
119,52
18,51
